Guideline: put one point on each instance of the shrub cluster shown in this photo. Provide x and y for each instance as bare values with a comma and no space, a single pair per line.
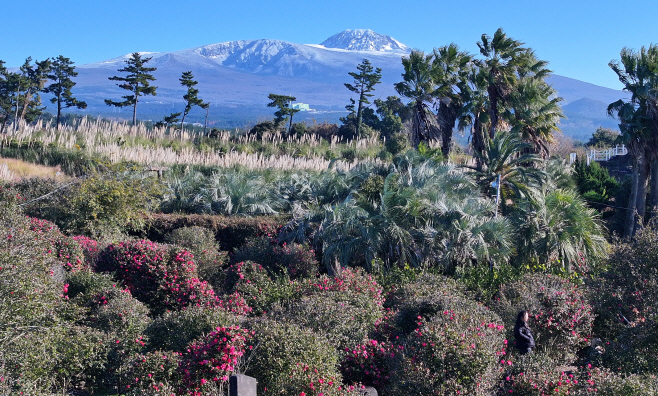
561,316
161,276
297,260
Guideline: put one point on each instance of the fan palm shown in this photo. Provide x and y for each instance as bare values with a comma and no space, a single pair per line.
450,71
504,156
419,86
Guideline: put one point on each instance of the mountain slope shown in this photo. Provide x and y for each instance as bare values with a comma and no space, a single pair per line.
242,74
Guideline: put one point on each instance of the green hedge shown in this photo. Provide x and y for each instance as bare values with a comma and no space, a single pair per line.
230,231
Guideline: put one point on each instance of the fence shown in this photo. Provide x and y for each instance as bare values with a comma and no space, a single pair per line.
605,155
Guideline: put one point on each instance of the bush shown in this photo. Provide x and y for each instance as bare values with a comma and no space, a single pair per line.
397,143
212,359
454,346
251,281
174,330
343,308
154,373
161,276
561,317
111,204
291,360
230,231
371,363
297,260
626,296
210,261
46,359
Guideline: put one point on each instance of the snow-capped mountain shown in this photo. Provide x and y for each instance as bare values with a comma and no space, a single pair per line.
240,74
363,40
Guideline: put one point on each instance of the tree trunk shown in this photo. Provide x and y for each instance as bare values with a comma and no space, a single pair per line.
653,204
447,115
629,227
59,110
641,204
135,112
205,125
181,125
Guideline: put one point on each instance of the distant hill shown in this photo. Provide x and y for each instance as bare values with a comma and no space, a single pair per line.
237,76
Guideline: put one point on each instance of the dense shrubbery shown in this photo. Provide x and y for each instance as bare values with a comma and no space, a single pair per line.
561,316
162,276
626,297
297,260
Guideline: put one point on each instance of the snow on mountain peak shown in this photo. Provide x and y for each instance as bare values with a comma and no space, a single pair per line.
363,40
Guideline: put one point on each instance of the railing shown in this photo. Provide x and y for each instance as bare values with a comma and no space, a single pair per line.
605,155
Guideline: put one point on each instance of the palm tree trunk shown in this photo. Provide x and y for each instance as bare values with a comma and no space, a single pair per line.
447,116
641,205
653,204
629,227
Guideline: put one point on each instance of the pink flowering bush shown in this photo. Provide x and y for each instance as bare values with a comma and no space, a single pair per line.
251,281
153,373
213,358
174,330
200,241
298,261
626,301
289,360
370,363
561,316
162,276
90,248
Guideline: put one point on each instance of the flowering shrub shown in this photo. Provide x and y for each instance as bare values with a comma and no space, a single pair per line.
371,363
161,276
251,281
626,297
560,315
201,243
154,372
290,360
536,375
213,358
65,249
297,260
174,330
90,248
353,281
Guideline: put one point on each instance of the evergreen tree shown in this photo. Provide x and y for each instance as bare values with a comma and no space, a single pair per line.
168,120
137,82
364,83
5,97
21,98
191,97
282,102
61,72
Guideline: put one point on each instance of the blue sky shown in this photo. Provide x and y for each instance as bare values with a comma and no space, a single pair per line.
577,37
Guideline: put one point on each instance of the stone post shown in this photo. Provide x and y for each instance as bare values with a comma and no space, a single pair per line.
242,385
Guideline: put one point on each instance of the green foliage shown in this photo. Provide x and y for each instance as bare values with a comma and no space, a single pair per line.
297,261
174,330
561,316
595,183
625,296
284,105
364,83
288,359
603,138
104,204
202,244
397,143
138,82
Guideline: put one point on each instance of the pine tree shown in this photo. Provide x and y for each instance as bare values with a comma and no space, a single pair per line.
24,87
364,83
61,72
191,97
282,102
137,82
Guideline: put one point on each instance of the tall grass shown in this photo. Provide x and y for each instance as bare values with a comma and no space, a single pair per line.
119,141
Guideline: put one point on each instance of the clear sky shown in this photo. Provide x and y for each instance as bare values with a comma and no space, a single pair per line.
577,37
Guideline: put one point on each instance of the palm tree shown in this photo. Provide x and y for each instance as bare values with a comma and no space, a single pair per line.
638,71
419,86
536,113
503,57
504,155
450,72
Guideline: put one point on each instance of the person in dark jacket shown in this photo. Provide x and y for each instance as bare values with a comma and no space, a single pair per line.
522,334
